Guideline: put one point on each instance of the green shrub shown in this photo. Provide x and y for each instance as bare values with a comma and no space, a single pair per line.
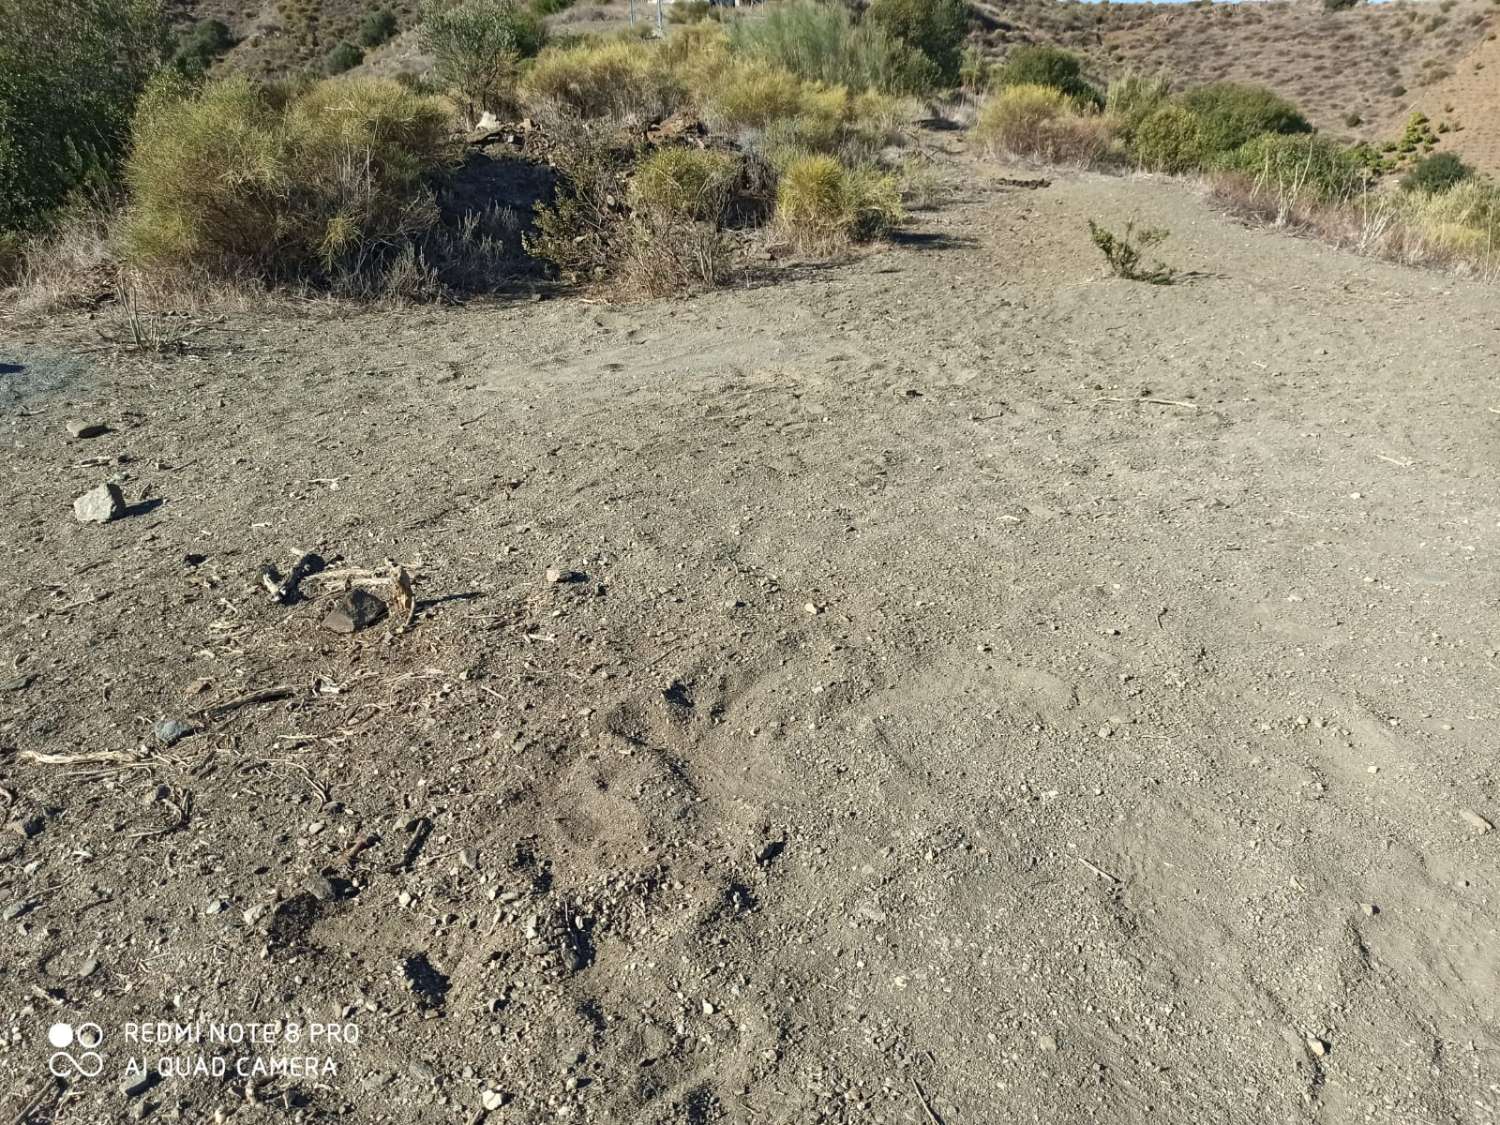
1300,166
377,27
1124,254
618,79
1042,123
822,43
936,28
70,73
684,183
1463,221
344,56
477,45
1132,98
1047,66
314,186
1170,140
1231,114
1437,173
199,46
822,206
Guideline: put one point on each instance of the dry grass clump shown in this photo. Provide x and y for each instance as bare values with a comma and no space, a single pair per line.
1457,229
321,185
677,241
822,206
684,183
71,263
622,80
1042,123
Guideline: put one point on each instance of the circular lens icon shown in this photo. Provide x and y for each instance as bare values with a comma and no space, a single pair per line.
89,1035
60,1035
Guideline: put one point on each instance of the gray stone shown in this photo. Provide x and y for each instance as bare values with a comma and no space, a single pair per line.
356,610
320,888
170,731
80,429
492,1100
100,505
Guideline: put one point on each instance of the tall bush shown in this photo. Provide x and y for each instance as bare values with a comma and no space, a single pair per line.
1436,173
477,45
1170,140
619,79
821,42
936,28
1042,123
1048,66
70,73
1230,114
321,186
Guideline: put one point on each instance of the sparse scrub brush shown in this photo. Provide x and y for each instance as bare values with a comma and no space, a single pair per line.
581,232
616,79
754,95
1123,252
822,206
676,238
1042,123
684,183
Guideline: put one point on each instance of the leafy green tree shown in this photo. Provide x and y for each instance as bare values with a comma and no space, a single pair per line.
70,73
477,44
937,28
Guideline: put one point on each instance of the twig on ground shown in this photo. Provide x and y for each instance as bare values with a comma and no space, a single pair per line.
1097,870
1155,401
268,695
924,1103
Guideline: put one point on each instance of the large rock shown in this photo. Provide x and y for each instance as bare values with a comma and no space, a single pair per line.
100,505
356,610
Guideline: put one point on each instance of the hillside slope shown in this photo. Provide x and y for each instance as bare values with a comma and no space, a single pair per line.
1369,62
1471,99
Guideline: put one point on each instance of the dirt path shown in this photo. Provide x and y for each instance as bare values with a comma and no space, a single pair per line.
1129,763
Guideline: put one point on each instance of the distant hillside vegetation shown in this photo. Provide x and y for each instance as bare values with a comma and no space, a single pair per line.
1357,72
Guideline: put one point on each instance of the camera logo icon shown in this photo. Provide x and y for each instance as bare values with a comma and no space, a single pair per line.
77,1050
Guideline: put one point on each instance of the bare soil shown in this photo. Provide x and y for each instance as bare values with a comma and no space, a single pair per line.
978,690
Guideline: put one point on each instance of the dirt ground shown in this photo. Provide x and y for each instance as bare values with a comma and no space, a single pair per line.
984,691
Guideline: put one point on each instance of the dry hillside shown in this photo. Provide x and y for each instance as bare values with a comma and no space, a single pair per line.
1358,73
1373,61
1470,96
